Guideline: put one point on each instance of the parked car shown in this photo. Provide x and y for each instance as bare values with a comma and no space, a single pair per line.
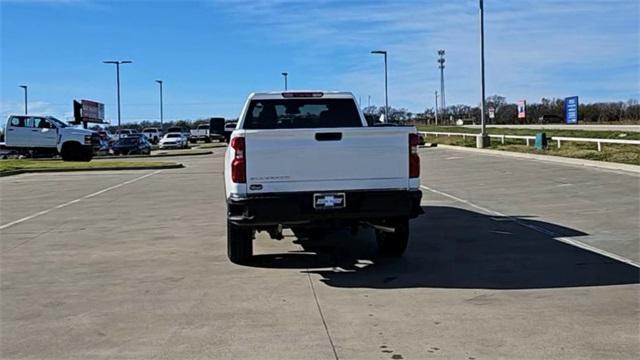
228,129
216,129
201,133
105,135
45,135
120,133
178,129
175,140
131,145
137,136
308,161
153,134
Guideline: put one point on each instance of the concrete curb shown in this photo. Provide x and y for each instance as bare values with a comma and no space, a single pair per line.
118,168
110,157
551,158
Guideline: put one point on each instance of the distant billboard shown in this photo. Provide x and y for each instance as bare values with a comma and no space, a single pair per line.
522,109
88,111
571,110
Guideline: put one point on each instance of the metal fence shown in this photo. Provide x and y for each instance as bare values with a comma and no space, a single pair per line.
528,139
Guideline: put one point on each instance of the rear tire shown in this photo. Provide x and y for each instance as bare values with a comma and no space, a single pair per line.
239,243
87,155
73,151
393,244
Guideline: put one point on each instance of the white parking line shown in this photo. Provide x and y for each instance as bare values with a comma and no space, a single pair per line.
43,212
547,232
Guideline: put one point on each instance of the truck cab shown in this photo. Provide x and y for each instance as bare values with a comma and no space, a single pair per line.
35,134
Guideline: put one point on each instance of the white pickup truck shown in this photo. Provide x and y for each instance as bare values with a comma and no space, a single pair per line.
31,134
308,161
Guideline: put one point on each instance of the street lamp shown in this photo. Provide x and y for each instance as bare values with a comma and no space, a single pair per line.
285,74
161,114
25,98
483,140
117,63
386,93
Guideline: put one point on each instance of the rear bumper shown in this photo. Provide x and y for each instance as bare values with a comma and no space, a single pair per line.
297,208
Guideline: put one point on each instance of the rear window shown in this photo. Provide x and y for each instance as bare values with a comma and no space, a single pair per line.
302,114
203,127
173,135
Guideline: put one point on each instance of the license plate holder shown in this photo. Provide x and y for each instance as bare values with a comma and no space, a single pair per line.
329,201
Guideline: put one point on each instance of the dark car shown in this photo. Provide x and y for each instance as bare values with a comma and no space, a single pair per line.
131,145
137,136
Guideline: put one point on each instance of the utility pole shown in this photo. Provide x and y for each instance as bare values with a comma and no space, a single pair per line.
117,63
441,61
483,140
436,107
25,98
386,89
285,74
161,110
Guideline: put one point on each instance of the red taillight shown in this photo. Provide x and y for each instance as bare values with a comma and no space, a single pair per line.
238,164
414,159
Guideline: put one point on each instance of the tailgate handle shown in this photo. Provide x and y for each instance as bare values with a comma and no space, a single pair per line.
330,136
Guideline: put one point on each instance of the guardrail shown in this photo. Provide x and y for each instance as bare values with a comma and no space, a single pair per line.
598,141
527,138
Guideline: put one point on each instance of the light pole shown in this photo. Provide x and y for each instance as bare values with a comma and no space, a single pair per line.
25,98
386,92
161,114
117,63
483,140
285,74
369,101
436,107
441,61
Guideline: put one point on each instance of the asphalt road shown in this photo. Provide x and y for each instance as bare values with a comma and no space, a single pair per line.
132,265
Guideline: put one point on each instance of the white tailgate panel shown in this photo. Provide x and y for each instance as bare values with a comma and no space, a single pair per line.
293,160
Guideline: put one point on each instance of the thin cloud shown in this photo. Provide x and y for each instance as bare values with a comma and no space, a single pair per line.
534,48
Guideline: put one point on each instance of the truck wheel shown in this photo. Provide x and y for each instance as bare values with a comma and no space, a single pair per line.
86,155
239,243
395,243
71,151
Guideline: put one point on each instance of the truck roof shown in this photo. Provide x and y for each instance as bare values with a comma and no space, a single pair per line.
321,94
31,115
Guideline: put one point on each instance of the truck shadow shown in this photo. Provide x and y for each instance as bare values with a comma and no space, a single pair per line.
457,248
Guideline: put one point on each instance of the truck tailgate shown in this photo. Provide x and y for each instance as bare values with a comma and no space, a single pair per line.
332,159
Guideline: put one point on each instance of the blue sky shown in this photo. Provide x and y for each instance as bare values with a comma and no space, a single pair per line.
211,54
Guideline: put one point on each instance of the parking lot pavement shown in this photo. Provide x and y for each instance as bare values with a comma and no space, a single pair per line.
601,203
140,271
